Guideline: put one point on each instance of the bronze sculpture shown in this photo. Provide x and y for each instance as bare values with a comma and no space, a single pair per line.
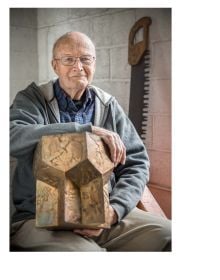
72,172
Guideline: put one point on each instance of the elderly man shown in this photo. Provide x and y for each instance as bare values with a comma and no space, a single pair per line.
67,105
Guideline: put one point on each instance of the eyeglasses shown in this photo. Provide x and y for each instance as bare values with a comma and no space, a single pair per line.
71,60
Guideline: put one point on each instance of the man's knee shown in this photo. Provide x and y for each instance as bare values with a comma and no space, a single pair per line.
152,231
164,235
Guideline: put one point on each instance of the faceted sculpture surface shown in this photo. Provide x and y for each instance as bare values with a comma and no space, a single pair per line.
72,172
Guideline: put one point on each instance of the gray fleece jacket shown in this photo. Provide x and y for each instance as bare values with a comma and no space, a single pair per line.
35,113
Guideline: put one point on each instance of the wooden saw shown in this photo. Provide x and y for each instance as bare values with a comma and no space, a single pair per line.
139,59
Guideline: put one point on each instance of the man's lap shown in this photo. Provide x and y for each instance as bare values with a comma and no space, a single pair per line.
138,231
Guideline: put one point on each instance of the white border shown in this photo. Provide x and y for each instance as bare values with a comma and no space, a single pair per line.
196,154
87,3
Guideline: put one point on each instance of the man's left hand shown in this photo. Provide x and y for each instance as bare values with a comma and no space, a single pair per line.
96,232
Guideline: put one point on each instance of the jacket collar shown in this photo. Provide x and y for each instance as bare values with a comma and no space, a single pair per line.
102,100
48,92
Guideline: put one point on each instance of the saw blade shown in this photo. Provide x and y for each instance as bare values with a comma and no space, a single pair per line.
139,59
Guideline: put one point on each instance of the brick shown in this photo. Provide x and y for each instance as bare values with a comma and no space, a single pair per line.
120,69
116,28
160,170
119,89
102,64
161,60
160,97
162,133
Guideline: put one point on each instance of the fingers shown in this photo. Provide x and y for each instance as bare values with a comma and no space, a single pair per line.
120,150
121,153
112,215
114,143
112,147
116,147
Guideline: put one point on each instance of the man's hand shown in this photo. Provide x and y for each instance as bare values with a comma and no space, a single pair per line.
88,232
116,146
113,218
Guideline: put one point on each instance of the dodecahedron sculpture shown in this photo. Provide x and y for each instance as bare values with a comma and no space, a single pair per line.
72,172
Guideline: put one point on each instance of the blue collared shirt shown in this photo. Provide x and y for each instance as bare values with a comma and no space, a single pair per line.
80,111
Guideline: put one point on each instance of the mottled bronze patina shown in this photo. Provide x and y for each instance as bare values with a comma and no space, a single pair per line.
72,172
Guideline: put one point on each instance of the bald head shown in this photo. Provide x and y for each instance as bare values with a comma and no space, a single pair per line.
74,39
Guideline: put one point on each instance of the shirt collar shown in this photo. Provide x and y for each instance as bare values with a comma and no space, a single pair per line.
65,102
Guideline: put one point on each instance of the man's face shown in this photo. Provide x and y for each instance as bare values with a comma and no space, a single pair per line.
74,78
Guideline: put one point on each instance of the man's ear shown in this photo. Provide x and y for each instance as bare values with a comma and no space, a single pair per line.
54,65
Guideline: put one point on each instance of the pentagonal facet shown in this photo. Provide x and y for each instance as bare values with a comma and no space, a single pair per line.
63,151
46,205
98,154
83,173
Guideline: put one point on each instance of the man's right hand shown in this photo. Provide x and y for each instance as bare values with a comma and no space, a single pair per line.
113,141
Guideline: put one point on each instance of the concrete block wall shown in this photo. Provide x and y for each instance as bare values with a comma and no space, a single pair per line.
109,29
23,49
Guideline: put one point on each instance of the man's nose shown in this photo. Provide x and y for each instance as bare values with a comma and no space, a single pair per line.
78,64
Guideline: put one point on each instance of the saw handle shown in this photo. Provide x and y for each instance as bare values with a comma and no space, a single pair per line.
135,51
